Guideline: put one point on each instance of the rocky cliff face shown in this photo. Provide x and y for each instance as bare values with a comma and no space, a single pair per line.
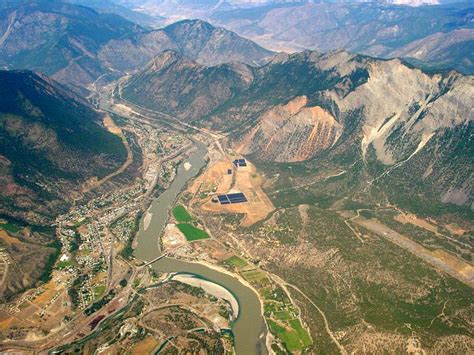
309,106
403,108
291,132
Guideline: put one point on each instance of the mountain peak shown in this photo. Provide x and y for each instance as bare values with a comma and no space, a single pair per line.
192,23
168,58
197,38
107,43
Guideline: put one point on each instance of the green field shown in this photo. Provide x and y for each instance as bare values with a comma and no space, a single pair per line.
289,337
99,291
9,227
192,233
64,264
237,262
295,338
181,215
283,315
302,333
255,276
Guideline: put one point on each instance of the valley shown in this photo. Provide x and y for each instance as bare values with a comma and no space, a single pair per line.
99,237
184,190
95,277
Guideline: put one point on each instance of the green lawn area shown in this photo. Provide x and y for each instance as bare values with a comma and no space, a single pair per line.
255,276
99,291
303,334
64,264
9,227
283,315
192,233
84,252
237,262
289,337
181,215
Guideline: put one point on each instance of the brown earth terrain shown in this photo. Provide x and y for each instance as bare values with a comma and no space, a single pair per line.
453,228
216,180
146,346
439,259
93,183
22,260
292,132
416,221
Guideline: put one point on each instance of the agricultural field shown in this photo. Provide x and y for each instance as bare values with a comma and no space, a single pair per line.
256,277
181,214
192,233
236,262
280,313
294,336
283,320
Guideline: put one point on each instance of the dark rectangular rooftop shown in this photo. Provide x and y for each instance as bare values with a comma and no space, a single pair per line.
240,162
237,197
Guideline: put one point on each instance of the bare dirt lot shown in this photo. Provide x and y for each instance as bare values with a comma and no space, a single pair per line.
146,346
217,180
416,221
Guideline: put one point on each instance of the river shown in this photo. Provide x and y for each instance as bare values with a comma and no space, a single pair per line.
249,328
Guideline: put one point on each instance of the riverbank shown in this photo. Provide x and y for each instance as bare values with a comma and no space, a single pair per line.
211,288
147,220
267,335
249,327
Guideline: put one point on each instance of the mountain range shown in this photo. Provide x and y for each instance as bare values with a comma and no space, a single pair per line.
311,106
110,7
439,37
435,36
362,167
275,107
76,45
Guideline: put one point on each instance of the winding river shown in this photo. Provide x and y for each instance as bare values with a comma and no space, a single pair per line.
249,327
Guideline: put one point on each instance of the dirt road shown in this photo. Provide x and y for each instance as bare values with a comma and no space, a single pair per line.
443,261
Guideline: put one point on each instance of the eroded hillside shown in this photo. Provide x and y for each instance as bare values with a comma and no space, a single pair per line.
306,106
